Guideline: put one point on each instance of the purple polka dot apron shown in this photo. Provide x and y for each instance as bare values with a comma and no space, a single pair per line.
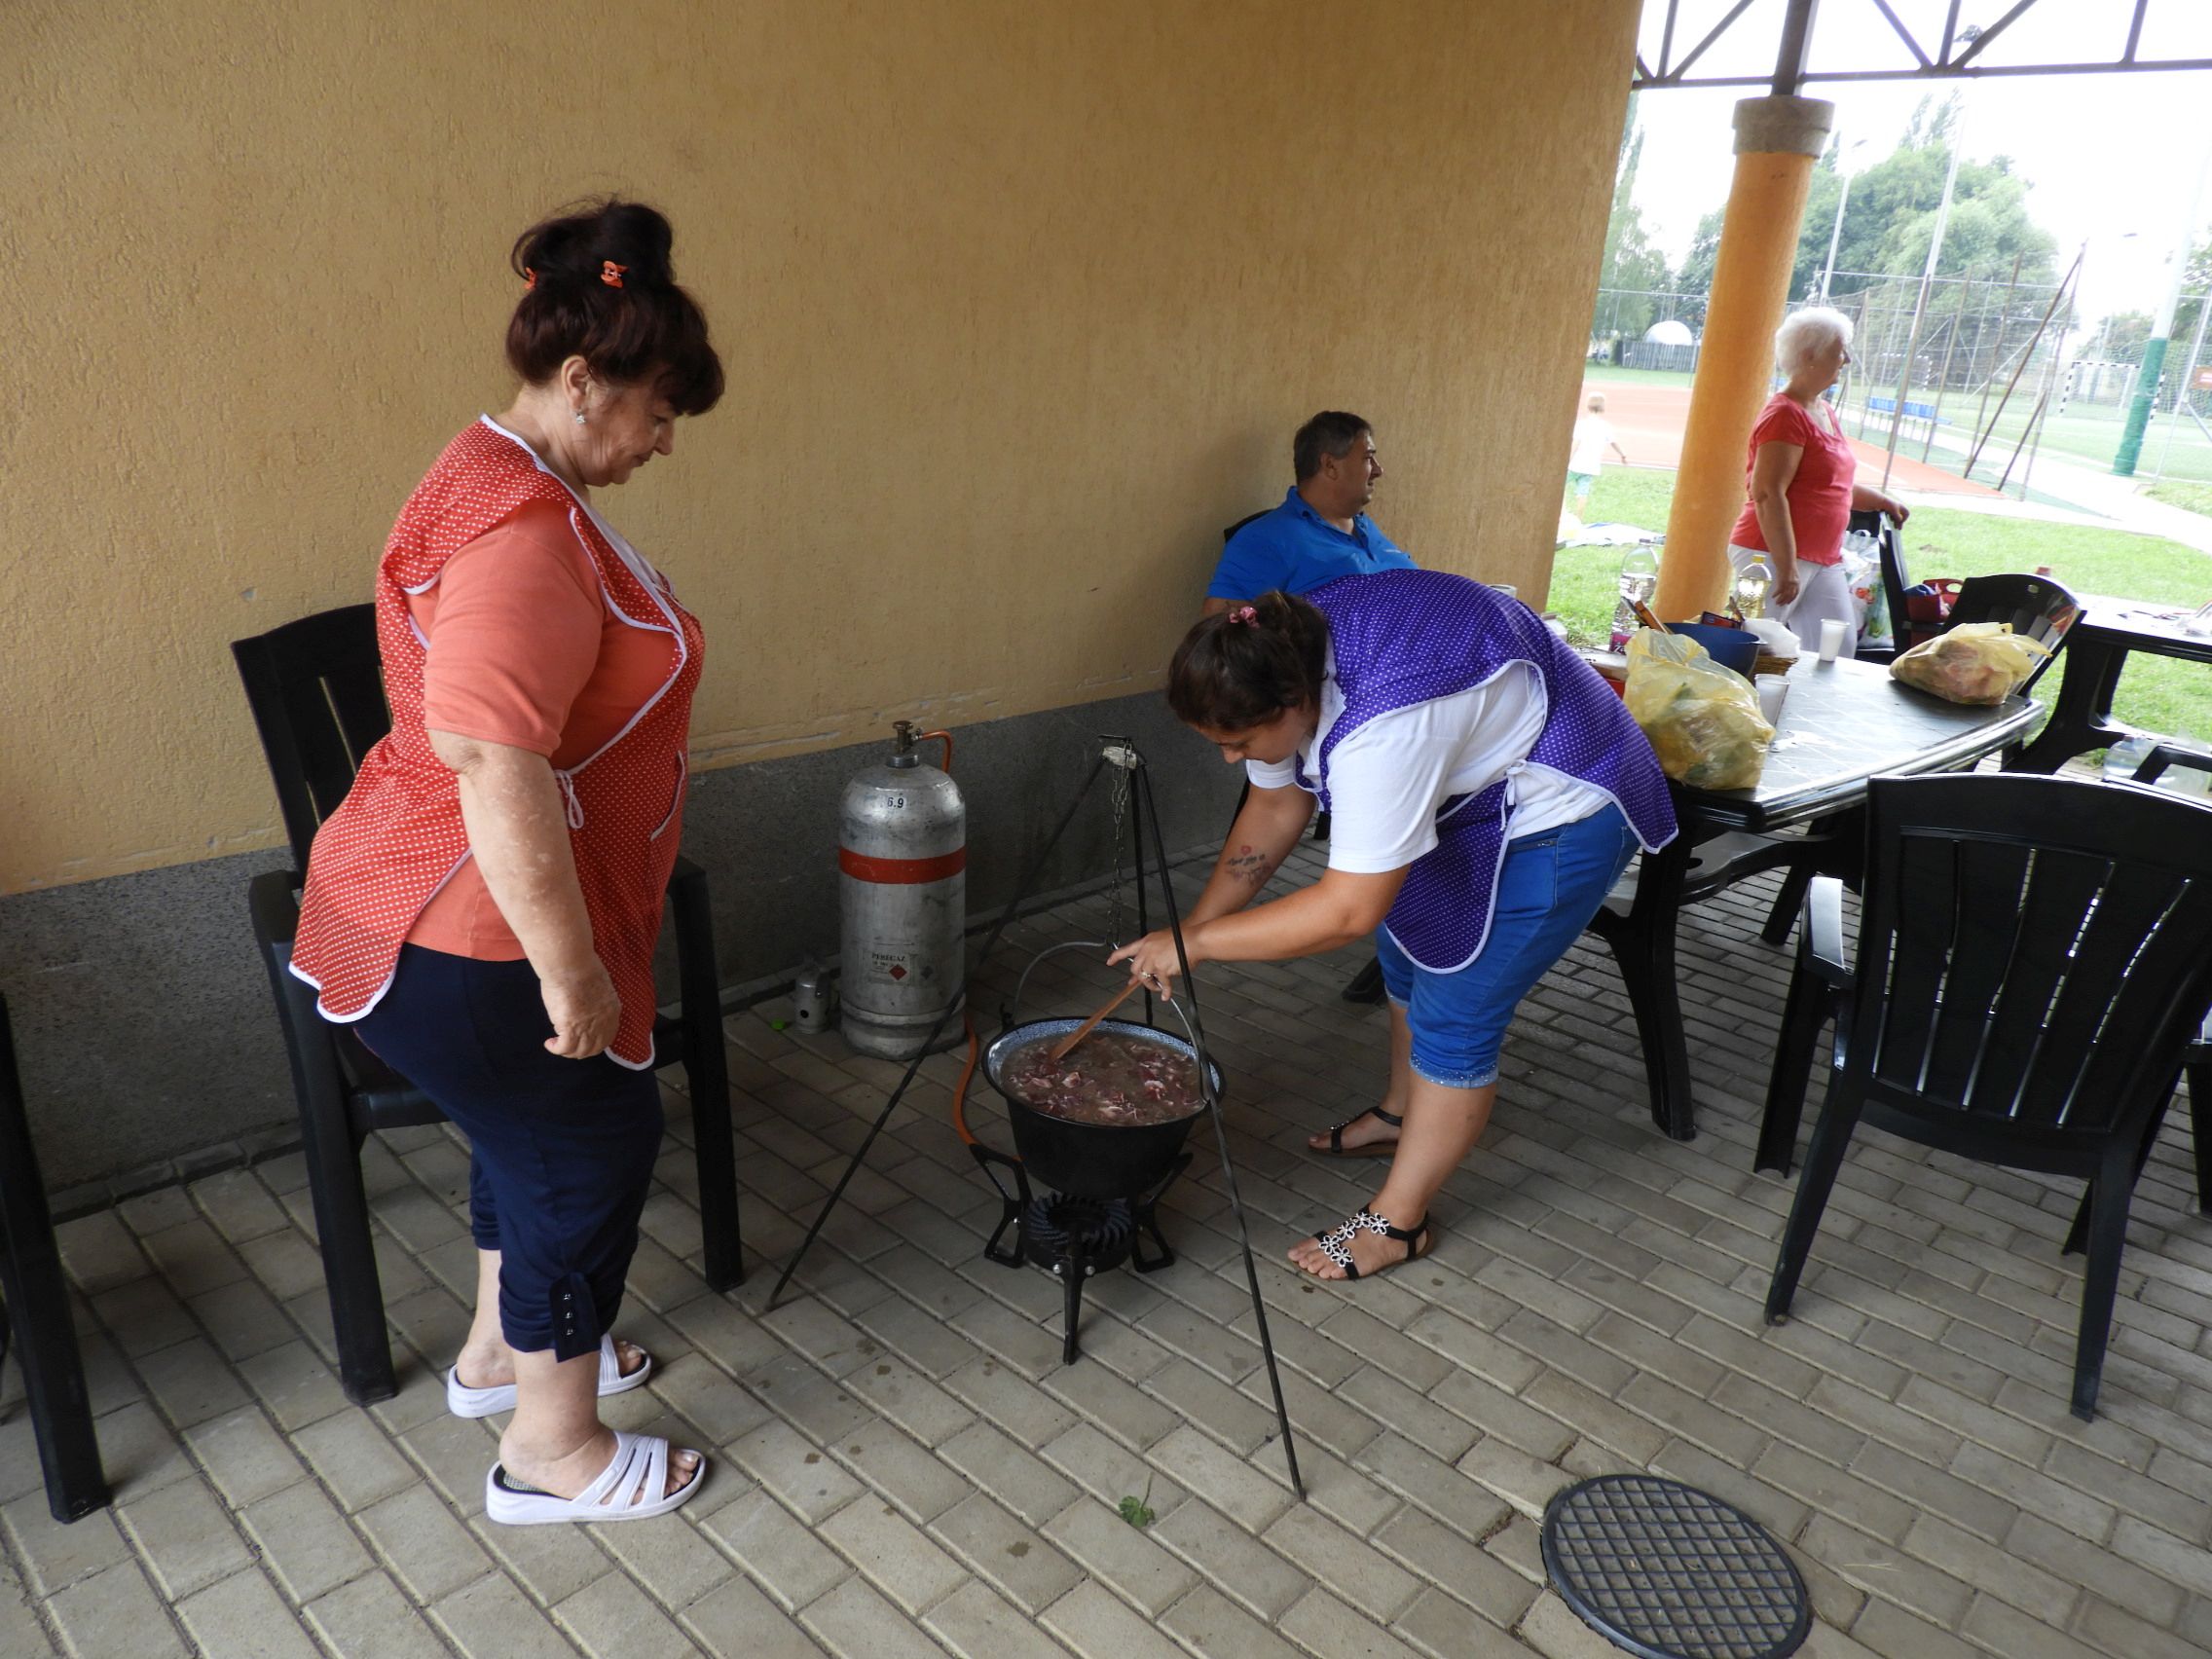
1406,637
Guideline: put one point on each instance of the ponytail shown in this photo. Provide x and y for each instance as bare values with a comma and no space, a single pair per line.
1244,666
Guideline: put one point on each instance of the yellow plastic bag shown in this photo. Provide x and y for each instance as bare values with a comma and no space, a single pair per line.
1976,662
1703,721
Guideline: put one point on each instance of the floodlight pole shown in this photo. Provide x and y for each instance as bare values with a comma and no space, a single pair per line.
1928,276
2155,349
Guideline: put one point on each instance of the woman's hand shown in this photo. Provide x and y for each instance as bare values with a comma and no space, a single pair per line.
584,1011
1785,583
1896,509
1153,960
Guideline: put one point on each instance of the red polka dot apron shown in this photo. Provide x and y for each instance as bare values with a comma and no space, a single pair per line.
398,837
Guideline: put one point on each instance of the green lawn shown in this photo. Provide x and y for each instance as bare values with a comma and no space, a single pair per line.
2088,432
2157,693
2195,498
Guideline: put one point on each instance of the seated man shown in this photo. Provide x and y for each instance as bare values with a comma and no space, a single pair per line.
1319,533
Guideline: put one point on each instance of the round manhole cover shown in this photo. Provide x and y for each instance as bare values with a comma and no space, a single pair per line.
1670,1572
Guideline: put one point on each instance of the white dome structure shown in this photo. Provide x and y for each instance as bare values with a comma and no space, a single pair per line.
1669,333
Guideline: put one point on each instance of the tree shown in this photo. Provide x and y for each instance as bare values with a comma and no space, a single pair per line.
1888,216
1633,270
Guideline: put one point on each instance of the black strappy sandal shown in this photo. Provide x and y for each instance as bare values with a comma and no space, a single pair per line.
1336,1244
1375,1149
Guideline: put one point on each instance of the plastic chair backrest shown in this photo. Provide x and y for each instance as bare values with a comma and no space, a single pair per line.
2034,605
2031,962
1231,531
317,690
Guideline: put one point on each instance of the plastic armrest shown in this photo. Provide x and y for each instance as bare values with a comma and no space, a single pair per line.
1820,943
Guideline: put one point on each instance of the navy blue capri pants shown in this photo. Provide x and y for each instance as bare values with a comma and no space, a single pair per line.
561,1152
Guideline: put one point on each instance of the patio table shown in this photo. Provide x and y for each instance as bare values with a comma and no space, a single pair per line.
2097,649
1843,724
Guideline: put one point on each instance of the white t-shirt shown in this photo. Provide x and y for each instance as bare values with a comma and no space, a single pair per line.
1593,437
1387,779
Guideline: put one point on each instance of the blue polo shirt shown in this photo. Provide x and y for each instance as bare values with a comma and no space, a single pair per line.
1296,549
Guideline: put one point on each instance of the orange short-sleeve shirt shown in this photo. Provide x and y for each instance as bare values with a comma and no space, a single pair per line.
525,651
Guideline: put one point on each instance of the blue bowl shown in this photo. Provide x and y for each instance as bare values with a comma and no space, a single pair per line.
1736,649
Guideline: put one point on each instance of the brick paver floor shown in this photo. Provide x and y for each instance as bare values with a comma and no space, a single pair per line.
902,1464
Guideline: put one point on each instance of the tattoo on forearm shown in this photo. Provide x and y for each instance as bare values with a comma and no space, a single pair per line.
1250,866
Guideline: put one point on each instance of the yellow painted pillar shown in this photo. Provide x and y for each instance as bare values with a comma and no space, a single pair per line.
1777,139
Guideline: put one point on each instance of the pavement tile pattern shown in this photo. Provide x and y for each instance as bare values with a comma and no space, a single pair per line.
902,1464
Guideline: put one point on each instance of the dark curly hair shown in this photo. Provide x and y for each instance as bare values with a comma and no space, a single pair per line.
1235,671
647,327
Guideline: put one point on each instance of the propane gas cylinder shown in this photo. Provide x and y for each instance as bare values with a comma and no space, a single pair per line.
903,891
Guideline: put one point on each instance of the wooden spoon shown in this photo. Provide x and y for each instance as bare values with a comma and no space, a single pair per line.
1061,1048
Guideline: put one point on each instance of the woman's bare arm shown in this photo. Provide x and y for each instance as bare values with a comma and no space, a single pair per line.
518,832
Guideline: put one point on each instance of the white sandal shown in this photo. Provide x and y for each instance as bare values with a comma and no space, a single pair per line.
466,1402
640,1464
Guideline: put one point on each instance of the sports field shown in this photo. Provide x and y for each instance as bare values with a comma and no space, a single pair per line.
2174,446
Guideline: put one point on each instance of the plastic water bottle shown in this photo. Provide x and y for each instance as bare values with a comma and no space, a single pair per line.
1639,581
1753,583
2123,756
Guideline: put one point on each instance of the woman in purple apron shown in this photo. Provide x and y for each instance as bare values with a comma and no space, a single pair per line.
1486,788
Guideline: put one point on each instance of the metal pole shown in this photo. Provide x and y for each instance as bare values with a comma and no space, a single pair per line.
1982,438
1148,810
2003,326
1828,270
1943,375
1928,276
2155,349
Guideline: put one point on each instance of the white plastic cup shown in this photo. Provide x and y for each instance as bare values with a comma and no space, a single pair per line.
1773,688
1831,637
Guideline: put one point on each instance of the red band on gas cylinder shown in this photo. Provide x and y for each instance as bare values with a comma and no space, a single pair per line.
900,872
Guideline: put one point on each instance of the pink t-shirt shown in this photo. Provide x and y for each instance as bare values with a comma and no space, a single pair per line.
524,651
1819,496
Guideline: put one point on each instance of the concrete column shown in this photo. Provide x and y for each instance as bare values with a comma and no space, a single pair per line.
1777,139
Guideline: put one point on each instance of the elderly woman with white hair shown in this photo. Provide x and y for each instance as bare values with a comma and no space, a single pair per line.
1801,488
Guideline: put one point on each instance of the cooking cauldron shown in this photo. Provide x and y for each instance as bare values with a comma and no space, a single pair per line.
1092,1160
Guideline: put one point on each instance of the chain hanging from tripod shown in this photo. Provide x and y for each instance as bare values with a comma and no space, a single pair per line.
1121,757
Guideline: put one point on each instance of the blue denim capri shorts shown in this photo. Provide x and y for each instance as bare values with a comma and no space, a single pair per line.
1549,886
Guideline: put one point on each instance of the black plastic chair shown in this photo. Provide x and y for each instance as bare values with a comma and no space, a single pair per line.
2036,606
2031,976
34,1316
317,690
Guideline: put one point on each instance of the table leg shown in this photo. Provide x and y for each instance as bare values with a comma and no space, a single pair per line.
2082,720
1643,942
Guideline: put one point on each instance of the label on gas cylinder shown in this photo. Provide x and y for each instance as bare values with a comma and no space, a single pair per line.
894,960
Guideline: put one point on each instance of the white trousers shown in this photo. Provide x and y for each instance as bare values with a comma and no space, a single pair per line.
1823,592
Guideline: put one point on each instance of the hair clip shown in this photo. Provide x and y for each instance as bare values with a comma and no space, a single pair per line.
1244,615
610,274
529,278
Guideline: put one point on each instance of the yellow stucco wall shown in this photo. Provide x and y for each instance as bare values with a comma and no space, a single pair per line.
1020,301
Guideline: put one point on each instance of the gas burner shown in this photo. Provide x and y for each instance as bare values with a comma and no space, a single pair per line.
1072,1238
1083,1236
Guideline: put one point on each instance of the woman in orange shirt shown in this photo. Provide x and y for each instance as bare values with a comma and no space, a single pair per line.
1799,480
485,902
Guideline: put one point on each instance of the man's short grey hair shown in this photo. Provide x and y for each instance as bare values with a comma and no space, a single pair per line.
1805,332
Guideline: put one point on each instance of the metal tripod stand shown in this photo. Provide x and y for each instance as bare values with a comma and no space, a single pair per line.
1149,844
